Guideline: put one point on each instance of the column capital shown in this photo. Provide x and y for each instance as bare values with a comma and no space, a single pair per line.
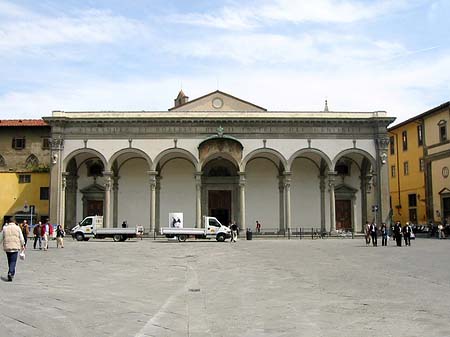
107,174
152,175
107,182
241,179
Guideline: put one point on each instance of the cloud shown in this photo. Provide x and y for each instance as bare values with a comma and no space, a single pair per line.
239,17
30,31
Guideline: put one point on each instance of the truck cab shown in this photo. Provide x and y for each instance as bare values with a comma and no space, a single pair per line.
86,228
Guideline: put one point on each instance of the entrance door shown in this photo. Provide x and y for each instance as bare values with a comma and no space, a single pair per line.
94,207
446,208
219,205
344,214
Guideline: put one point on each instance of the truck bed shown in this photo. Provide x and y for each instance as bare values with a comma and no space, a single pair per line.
186,231
106,231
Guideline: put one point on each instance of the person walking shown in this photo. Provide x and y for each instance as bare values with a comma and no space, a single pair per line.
37,235
398,233
46,233
258,227
384,234
13,242
441,231
234,230
60,236
367,233
374,234
407,234
25,231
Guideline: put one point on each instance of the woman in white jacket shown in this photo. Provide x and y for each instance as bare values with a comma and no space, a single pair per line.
13,242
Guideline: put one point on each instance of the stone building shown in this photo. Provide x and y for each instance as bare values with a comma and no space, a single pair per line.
437,162
24,169
222,156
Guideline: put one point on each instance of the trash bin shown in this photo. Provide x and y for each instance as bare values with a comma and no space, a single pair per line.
249,234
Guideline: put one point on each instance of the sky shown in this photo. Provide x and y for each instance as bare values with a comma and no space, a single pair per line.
97,55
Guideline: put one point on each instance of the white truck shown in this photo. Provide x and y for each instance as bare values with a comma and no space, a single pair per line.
92,227
212,228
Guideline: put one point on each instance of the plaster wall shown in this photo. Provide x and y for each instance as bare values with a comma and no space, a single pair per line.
262,195
178,192
305,194
134,193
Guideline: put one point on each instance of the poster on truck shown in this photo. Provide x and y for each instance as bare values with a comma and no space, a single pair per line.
176,220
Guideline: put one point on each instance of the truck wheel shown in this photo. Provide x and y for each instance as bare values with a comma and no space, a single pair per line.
117,237
79,236
124,238
220,237
182,237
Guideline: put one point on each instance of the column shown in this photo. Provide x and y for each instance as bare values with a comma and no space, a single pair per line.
152,175
383,179
198,203
322,203
115,187
355,217
282,225
242,225
57,145
287,190
63,199
331,183
107,206
158,203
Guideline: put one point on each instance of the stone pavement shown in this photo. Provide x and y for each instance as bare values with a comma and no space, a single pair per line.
251,288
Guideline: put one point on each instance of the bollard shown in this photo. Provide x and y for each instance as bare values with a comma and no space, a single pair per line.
312,233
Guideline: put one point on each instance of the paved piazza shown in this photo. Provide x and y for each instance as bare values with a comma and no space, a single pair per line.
331,287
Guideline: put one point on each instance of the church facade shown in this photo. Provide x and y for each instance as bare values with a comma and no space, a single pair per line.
221,156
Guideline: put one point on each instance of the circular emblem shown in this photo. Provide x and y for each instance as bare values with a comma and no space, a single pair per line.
217,103
445,171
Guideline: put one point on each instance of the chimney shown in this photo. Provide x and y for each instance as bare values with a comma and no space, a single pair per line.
181,99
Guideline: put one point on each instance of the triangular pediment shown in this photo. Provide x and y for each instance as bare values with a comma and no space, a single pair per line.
344,191
92,189
217,101
445,190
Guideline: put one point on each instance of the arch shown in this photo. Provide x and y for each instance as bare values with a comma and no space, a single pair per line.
87,150
267,153
172,153
304,151
216,155
32,161
346,152
117,154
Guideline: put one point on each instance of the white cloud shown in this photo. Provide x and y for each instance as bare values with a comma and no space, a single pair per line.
87,27
238,17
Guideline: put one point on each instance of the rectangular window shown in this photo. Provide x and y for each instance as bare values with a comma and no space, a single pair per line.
45,143
44,193
421,165
24,178
392,144
18,143
393,171
405,168
412,200
443,133
419,135
405,140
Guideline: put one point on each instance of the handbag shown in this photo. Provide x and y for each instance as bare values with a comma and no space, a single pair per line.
22,255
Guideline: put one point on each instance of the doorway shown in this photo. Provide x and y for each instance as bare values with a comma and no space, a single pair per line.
219,205
344,214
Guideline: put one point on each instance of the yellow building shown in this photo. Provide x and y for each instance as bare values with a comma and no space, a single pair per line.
437,162
24,169
406,172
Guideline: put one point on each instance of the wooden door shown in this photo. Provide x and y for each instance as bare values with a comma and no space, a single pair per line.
344,214
94,207
219,205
